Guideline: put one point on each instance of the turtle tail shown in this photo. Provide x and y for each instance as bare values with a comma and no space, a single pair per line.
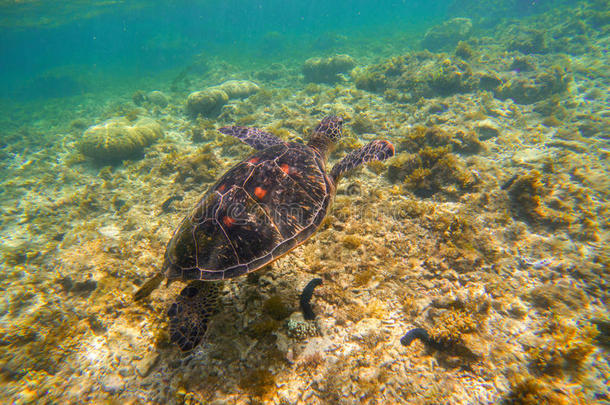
190,314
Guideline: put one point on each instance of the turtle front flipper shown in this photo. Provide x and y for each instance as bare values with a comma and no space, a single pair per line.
375,150
254,137
190,314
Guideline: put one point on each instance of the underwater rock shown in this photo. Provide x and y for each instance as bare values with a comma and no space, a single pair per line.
523,64
487,129
527,41
410,77
157,98
272,72
147,364
429,171
209,102
154,97
528,90
239,88
84,288
327,70
117,139
206,102
138,97
525,194
463,50
447,34
113,384
489,80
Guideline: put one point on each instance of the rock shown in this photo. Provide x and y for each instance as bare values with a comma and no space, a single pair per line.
532,88
84,288
527,41
327,70
413,76
447,34
117,139
366,328
157,98
289,396
318,344
239,88
206,102
476,345
113,384
489,80
487,129
146,365
517,309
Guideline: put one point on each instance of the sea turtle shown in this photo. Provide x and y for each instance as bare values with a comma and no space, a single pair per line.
256,212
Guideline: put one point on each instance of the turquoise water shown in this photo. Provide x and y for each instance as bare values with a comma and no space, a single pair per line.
133,39
484,237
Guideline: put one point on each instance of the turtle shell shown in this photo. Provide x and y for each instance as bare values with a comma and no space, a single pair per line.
257,211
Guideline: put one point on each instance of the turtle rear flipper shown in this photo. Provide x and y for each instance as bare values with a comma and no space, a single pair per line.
190,314
148,287
375,150
254,137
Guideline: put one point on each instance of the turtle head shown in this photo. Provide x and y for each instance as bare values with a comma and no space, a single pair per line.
330,127
328,131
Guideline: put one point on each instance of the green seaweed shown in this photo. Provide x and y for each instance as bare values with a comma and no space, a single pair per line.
275,307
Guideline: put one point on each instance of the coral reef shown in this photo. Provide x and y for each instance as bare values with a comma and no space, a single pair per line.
206,102
430,169
410,77
327,70
157,98
209,102
117,139
154,97
488,229
537,87
239,88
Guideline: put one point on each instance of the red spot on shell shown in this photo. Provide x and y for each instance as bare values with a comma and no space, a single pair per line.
228,221
285,168
222,187
260,192
254,160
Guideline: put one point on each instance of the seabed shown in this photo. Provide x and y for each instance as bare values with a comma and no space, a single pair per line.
489,229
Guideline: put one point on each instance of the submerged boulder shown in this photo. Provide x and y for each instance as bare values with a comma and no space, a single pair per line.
239,88
412,76
327,70
206,102
448,34
117,139
157,98
528,89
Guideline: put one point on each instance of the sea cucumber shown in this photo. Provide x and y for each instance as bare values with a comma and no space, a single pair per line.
166,204
421,334
306,297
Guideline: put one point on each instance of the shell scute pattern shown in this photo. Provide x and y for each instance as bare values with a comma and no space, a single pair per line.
306,170
255,213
